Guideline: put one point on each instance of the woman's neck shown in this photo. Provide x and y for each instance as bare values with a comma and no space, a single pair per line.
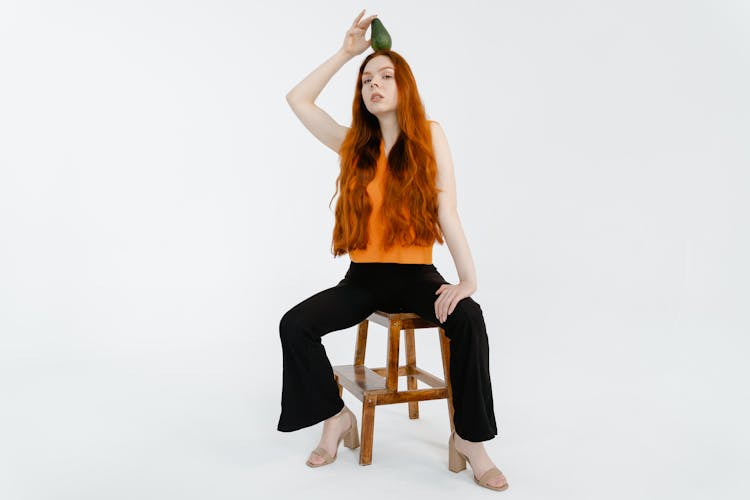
389,130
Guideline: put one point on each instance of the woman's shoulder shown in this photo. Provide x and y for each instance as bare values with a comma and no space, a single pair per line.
437,132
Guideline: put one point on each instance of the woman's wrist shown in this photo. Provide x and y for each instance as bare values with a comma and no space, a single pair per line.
343,53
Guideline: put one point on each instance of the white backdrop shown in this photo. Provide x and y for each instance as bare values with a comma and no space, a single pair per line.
161,207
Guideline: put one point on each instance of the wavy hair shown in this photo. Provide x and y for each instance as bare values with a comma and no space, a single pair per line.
410,198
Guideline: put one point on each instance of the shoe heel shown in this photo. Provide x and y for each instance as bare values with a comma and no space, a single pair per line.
456,461
351,438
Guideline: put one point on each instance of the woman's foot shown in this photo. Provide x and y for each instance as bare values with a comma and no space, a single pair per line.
478,458
333,428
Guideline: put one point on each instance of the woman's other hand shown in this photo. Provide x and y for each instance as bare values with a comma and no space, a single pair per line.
449,297
354,40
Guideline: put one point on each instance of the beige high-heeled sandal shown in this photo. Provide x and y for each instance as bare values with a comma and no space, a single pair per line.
350,437
457,463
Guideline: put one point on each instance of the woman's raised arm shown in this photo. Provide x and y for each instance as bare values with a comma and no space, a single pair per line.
302,97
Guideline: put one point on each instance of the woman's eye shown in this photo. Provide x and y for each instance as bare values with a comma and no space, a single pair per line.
384,76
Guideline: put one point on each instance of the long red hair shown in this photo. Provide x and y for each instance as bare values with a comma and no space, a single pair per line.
410,199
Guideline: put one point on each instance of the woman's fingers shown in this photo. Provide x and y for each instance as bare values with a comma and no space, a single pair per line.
363,24
447,302
356,21
444,308
439,303
368,21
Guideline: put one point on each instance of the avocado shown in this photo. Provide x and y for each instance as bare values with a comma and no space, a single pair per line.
380,38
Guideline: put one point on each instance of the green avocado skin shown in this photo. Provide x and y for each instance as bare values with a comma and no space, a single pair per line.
380,39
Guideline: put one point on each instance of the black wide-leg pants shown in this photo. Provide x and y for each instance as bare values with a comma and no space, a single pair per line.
310,394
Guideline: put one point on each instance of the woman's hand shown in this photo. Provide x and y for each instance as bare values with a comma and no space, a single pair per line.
354,40
449,297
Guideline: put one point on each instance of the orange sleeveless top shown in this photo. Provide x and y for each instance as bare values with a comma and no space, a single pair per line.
411,254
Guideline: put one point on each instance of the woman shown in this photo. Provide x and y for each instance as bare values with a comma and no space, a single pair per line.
397,198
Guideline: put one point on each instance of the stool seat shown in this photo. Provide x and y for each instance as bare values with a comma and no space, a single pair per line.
379,386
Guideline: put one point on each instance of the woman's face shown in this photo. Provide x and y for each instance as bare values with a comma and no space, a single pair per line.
379,86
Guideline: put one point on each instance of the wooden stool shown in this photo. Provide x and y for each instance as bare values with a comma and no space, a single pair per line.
379,386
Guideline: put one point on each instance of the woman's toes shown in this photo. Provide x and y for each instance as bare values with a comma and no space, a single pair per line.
498,481
316,459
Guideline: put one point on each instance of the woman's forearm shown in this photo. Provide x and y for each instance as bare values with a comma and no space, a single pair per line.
459,247
310,88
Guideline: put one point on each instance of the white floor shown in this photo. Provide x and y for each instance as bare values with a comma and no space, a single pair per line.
80,430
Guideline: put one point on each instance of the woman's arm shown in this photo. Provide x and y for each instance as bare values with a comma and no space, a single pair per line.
312,85
302,97
302,101
447,211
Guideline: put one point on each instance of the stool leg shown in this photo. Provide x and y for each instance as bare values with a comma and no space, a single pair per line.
361,346
391,371
341,388
445,351
411,364
368,428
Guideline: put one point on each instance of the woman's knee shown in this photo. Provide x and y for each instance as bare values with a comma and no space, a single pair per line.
290,325
469,308
467,312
